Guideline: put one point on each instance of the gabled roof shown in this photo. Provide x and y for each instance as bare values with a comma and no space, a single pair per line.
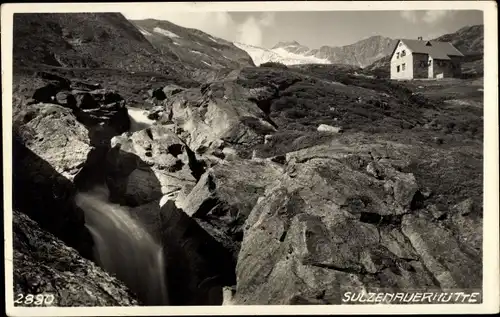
437,50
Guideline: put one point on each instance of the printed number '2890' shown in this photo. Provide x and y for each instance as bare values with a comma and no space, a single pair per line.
37,300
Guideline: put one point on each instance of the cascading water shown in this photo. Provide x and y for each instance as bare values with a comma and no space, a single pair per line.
123,247
138,119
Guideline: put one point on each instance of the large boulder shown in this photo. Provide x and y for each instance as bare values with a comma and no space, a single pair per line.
43,264
53,133
224,196
147,164
332,226
218,111
50,151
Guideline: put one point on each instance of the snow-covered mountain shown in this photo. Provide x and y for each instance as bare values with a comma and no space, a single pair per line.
361,53
262,55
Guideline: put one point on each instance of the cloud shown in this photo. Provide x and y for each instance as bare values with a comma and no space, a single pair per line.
428,17
252,29
410,16
220,24
433,16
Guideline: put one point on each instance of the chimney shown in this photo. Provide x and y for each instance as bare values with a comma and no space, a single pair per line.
420,38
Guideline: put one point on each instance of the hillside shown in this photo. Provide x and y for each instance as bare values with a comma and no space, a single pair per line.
262,185
192,48
469,40
84,40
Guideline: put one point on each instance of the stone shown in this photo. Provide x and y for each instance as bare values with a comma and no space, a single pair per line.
240,123
465,207
171,90
405,188
329,128
225,195
441,254
148,164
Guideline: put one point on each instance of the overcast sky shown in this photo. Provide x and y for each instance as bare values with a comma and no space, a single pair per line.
314,29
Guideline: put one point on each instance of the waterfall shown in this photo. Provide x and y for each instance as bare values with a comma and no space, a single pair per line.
123,247
138,119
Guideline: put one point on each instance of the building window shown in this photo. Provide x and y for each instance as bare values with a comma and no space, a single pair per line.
403,53
404,67
397,55
397,68
430,62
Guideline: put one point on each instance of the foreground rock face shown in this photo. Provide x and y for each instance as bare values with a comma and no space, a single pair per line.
331,226
43,264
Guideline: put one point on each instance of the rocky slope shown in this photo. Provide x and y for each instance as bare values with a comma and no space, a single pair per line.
98,40
193,48
244,190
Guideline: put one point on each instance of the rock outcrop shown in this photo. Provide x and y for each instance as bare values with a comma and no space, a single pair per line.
148,164
330,226
50,150
218,111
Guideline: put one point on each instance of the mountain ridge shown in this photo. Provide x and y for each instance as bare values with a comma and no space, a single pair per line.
366,53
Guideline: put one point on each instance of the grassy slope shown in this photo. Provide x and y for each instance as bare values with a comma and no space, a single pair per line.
442,121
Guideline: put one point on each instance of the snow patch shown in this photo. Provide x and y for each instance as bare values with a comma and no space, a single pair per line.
196,52
144,32
165,32
212,39
208,64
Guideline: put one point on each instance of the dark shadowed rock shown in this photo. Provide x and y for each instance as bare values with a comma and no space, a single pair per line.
47,93
86,101
43,264
157,93
224,196
200,265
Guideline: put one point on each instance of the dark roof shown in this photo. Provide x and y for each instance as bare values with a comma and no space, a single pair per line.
437,50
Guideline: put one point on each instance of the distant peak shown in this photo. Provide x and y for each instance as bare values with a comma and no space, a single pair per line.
287,43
